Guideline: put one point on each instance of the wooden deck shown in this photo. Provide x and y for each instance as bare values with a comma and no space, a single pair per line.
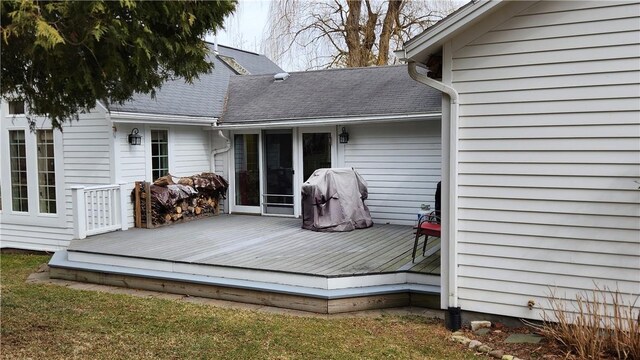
262,260
269,243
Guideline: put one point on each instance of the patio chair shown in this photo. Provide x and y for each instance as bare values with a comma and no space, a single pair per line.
428,225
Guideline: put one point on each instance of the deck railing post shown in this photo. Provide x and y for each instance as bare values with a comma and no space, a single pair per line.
124,223
79,212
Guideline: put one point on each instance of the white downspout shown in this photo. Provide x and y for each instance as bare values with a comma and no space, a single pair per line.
453,178
215,152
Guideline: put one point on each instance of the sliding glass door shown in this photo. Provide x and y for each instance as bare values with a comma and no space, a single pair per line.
247,173
271,165
278,172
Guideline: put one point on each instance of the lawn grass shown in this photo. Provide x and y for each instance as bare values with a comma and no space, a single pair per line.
54,322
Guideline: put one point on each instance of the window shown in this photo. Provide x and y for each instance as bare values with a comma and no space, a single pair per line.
46,172
159,153
18,156
16,107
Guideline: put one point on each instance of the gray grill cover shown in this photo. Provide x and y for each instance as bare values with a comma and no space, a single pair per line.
333,200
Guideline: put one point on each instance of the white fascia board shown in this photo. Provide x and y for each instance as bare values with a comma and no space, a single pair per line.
266,124
423,45
161,119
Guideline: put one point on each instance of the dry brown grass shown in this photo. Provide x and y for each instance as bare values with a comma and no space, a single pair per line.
599,325
42,321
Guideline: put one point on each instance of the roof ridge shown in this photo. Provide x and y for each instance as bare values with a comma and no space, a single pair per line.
349,68
329,70
234,48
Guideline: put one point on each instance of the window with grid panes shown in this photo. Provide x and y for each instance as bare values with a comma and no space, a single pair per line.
46,172
18,159
159,153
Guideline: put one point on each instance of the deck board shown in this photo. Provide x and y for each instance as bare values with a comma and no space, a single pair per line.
269,243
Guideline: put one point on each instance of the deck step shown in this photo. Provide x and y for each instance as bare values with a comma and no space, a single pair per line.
320,300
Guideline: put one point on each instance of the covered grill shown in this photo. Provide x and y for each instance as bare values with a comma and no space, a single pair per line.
333,200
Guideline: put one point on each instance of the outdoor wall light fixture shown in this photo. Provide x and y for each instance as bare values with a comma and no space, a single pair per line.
134,137
344,136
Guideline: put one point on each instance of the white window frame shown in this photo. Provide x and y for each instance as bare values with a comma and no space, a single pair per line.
232,175
56,200
27,170
33,216
149,153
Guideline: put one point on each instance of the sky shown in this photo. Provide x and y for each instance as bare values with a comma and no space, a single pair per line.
246,27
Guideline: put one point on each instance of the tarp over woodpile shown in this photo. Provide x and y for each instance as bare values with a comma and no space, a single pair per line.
168,193
333,200
170,199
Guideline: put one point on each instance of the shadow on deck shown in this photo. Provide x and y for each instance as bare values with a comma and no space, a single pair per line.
265,260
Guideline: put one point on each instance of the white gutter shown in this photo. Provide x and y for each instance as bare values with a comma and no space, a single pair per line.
453,179
161,119
265,124
215,152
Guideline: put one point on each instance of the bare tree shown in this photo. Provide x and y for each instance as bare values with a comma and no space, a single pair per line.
347,33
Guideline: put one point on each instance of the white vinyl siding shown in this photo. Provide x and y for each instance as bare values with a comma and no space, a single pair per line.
81,156
549,152
191,151
29,237
189,154
88,155
132,163
221,161
401,164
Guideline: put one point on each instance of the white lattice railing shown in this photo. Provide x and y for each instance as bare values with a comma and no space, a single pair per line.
98,209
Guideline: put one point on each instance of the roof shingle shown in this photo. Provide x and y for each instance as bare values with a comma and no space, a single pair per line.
205,97
331,93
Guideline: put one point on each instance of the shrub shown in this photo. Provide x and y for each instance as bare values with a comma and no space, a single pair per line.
598,325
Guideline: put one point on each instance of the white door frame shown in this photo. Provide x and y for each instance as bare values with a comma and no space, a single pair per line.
263,172
299,164
232,174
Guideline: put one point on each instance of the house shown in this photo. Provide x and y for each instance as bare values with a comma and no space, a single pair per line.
274,132
376,120
541,150
537,143
57,186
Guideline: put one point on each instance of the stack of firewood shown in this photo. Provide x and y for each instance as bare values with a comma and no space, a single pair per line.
188,208
166,202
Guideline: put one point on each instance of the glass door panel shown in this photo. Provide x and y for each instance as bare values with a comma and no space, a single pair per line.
247,169
316,153
278,164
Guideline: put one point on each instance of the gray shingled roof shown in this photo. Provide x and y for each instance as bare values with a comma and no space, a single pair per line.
205,97
332,93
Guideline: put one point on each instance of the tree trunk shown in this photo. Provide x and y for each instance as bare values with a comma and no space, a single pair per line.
388,25
352,30
369,33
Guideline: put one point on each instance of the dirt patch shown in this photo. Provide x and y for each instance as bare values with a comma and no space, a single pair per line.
498,333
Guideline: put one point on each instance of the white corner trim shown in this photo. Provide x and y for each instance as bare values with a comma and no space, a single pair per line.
266,124
161,119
